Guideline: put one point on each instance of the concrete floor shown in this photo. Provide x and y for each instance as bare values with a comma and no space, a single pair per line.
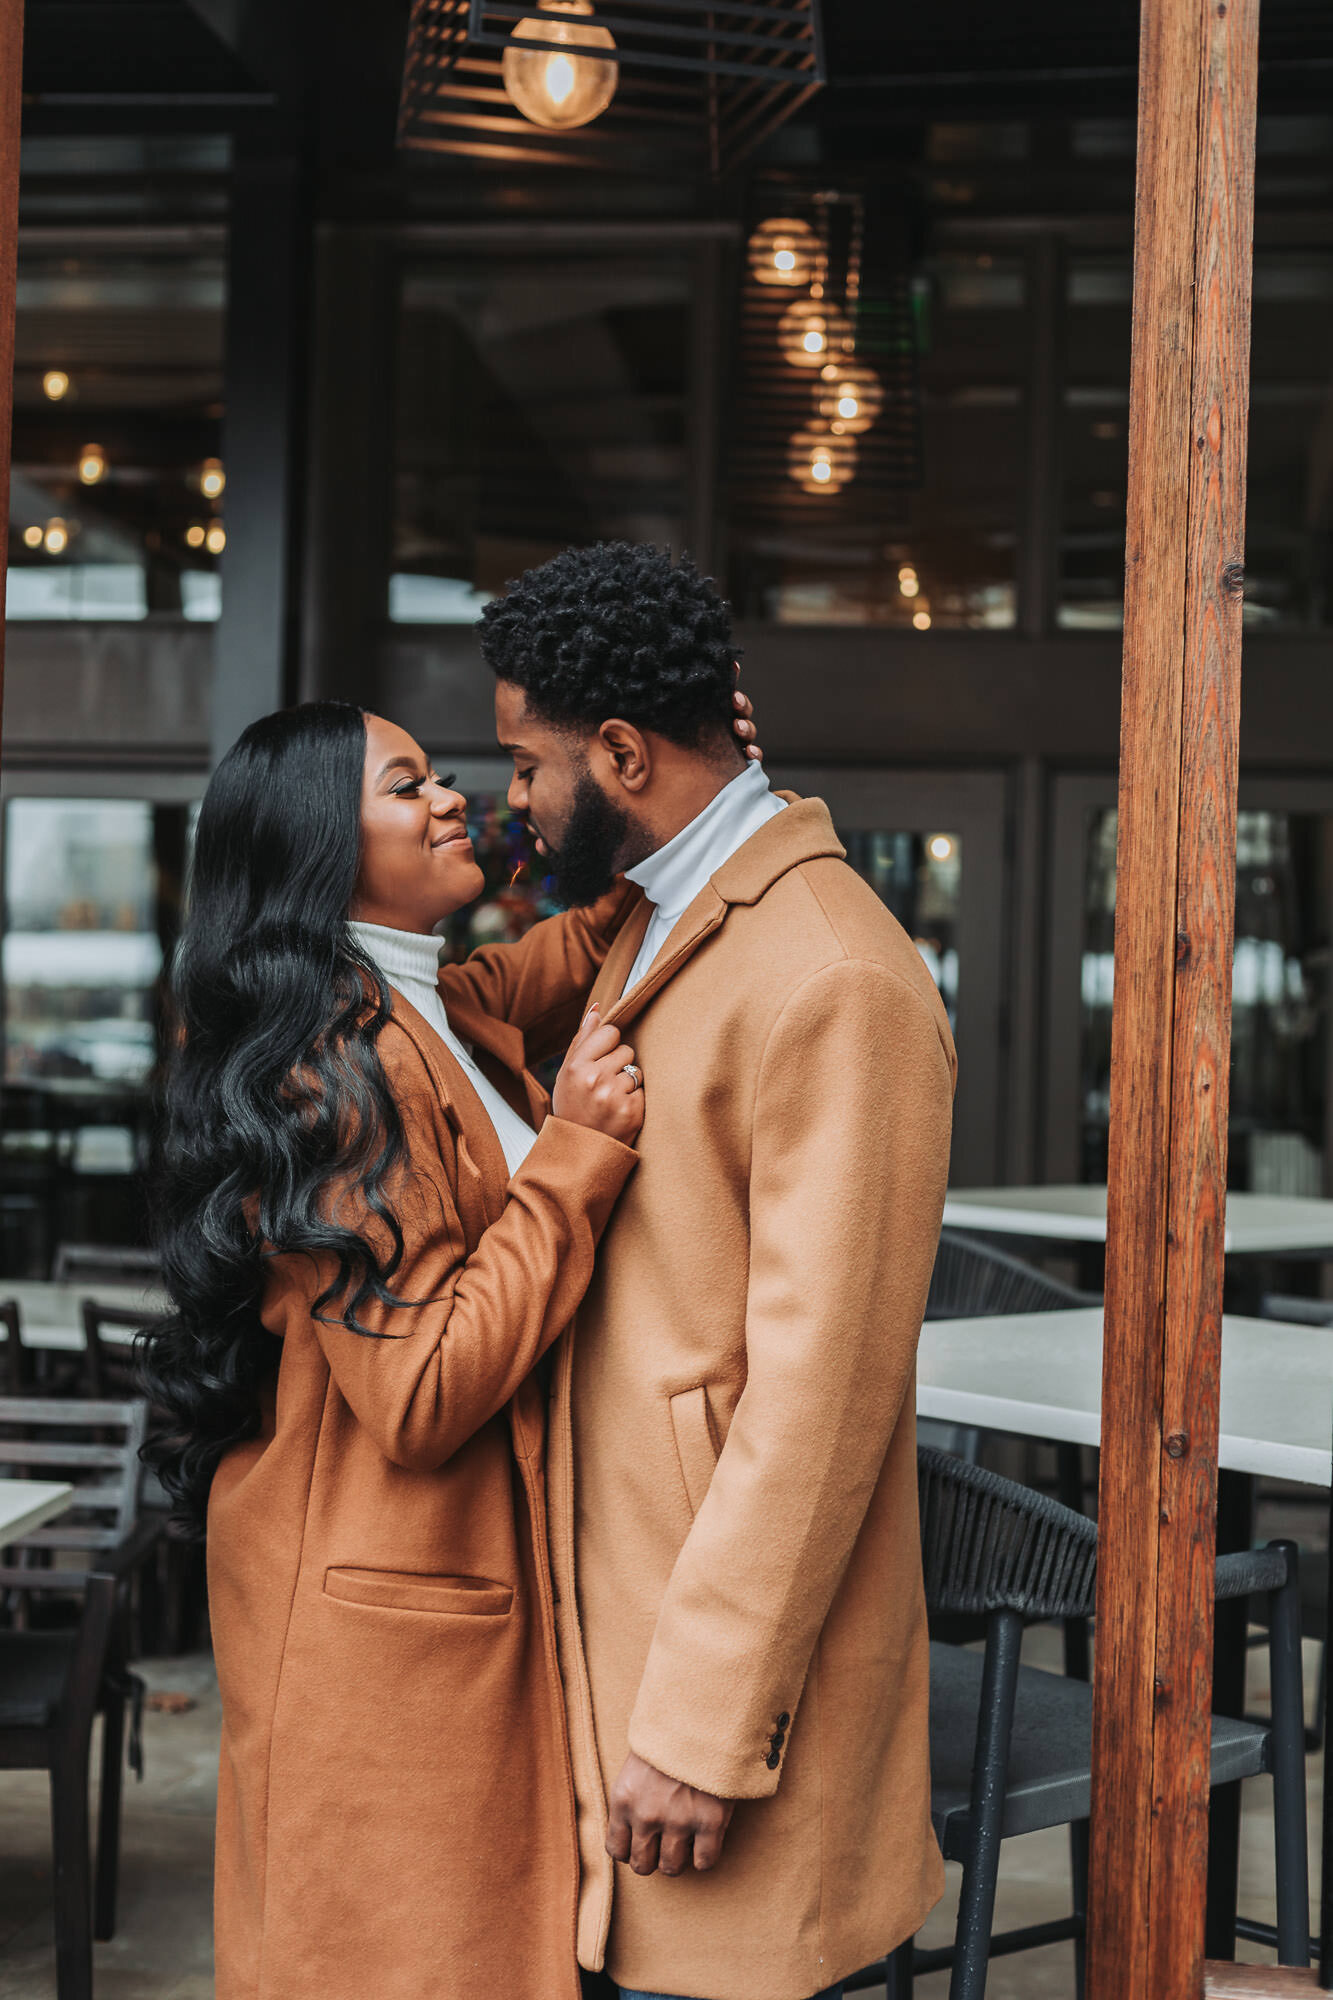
162,1950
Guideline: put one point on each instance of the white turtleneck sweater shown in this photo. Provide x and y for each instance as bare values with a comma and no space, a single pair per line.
673,877
410,962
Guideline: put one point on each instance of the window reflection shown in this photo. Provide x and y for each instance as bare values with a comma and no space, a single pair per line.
539,404
116,509
1280,1017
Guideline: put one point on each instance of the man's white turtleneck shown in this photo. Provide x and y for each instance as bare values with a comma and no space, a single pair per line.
410,962
673,877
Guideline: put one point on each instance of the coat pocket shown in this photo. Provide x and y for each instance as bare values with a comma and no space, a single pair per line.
402,1590
696,1443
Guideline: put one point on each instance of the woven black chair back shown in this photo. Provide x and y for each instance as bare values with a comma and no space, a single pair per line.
971,1279
990,1545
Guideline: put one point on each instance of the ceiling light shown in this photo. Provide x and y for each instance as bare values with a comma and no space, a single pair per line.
55,384
551,89
821,461
810,332
56,537
92,464
784,251
32,537
212,478
215,541
921,619
849,394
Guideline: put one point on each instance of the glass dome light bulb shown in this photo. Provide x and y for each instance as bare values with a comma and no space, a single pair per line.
821,461
553,90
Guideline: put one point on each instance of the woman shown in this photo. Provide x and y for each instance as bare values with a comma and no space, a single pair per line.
370,1245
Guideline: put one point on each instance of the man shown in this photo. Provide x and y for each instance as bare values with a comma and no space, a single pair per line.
732,1467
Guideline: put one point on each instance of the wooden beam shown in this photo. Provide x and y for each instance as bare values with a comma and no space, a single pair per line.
1171,1032
11,100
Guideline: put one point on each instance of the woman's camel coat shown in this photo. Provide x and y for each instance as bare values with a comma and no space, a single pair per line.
396,1817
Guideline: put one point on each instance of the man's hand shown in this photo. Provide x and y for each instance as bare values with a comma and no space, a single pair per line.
657,1823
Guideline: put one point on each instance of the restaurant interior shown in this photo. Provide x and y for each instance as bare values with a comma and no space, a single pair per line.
331,321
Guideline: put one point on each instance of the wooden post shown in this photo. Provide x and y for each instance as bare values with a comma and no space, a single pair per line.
11,101
1175,904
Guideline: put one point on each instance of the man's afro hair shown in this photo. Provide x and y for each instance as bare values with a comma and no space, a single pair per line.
618,629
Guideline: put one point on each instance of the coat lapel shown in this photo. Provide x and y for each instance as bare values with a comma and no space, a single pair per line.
479,1150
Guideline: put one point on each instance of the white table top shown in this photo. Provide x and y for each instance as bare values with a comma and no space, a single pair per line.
1040,1374
52,1315
26,1504
1257,1224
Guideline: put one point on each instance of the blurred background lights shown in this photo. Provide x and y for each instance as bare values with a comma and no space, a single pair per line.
215,541
810,331
941,847
908,585
195,533
56,537
55,384
784,251
821,462
554,91
921,619
212,478
849,394
92,464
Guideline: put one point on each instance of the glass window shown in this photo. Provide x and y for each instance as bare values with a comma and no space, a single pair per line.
918,875
1289,525
943,555
538,405
116,503
1280,1017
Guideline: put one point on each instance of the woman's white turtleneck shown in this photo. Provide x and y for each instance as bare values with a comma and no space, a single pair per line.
410,962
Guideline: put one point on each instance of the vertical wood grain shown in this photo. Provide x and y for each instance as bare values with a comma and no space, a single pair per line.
1171,1032
11,86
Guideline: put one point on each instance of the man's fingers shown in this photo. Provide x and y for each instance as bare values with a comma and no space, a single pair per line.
708,1841
674,1858
618,1835
644,1849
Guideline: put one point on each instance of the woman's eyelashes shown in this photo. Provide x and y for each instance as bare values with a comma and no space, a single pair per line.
408,787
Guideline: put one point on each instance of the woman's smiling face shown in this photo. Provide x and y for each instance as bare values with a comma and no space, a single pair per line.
417,864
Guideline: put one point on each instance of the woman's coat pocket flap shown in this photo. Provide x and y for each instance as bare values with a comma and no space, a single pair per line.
696,1443
403,1590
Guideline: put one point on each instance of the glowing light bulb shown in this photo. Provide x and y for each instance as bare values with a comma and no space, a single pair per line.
215,541
553,90
906,574
850,394
32,537
941,847
56,537
55,384
212,478
810,331
194,535
92,464
784,251
921,619
820,461
909,586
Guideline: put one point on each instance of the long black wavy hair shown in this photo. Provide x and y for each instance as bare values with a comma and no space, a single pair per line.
273,1090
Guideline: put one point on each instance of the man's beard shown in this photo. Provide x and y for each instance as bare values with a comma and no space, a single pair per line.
597,835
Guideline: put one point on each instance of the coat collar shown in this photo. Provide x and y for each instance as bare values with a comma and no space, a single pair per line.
803,833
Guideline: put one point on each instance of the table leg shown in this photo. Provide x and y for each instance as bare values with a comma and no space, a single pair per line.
1235,1530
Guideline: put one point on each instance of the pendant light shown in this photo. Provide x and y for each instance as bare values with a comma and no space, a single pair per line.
552,88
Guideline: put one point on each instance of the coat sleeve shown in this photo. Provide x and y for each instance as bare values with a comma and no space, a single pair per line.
444,1367
540,982
849,1165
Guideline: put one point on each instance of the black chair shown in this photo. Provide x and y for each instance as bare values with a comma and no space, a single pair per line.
16,1372
1011,1745
95,1446
109,1366
104,1264
52,1684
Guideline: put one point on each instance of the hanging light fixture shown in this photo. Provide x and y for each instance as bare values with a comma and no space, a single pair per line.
849,395
92,464
820,461
697,87
810,331
785,251
559,88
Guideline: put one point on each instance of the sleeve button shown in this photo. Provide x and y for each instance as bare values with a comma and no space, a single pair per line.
773,1759
784,1720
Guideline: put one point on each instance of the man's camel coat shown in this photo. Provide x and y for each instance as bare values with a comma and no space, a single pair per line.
732,1481
396,1816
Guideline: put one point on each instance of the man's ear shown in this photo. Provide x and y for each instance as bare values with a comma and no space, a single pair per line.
628,753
